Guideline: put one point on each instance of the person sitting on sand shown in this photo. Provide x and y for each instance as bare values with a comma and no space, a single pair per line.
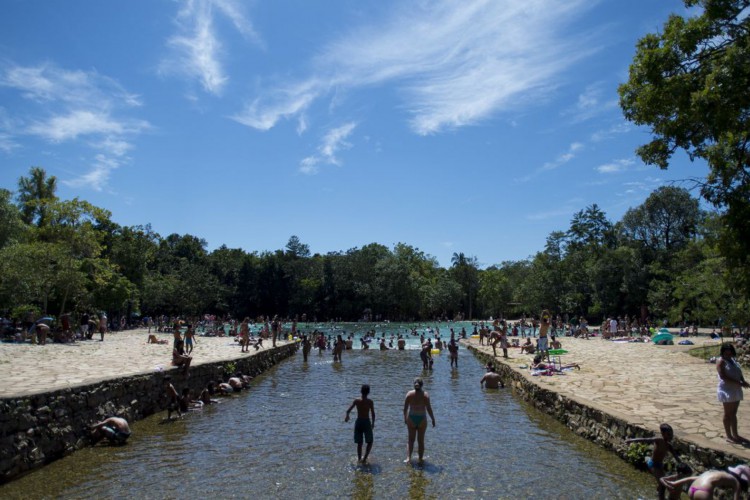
153,340
114,429
179,358
555,343
528,347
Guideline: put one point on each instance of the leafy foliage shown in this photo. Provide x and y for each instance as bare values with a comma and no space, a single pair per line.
662,260
691,85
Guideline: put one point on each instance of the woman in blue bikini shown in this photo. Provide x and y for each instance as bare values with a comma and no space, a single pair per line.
416,408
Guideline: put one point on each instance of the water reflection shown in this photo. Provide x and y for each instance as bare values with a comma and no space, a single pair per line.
286,438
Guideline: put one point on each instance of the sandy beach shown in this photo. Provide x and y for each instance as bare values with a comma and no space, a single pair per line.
31,369
644,384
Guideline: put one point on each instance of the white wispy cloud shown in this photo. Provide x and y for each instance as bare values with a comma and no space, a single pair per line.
283,102
80,122
71,106
197,51
333,141
455,63
559,161
616,129
563,158
592,102
98,176
46,83
615,166
7,143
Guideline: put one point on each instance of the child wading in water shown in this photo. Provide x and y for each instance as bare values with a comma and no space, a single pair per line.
662,445
363,426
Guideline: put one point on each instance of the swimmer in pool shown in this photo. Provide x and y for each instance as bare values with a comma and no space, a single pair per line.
416,408
491,379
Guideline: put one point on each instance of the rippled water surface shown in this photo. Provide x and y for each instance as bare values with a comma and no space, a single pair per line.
285,437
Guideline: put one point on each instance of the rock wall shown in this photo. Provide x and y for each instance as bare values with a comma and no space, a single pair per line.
38,429
602,428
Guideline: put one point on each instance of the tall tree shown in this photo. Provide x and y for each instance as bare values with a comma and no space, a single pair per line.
691,85
35,192
466,273
11,226
665,222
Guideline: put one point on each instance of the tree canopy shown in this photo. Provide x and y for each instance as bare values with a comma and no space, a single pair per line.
662,260
690,84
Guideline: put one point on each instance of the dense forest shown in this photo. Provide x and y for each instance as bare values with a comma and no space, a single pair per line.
661,260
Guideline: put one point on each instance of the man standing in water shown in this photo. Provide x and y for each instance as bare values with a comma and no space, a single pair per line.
306,347
453,350
363,425
416,408
338,348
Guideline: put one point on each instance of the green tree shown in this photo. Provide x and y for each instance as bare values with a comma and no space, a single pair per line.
665,222
590,228
35,192
11,226
466,273
296,248
691,85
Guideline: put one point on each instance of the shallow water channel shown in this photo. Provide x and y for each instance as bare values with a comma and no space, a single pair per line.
285,437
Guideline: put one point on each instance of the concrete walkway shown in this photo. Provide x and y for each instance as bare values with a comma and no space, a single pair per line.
32,369
643,384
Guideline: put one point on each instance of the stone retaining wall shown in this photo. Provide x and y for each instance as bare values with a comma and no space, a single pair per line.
38,429
604,429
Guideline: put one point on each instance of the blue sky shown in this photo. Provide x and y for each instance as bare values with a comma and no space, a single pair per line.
454,126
